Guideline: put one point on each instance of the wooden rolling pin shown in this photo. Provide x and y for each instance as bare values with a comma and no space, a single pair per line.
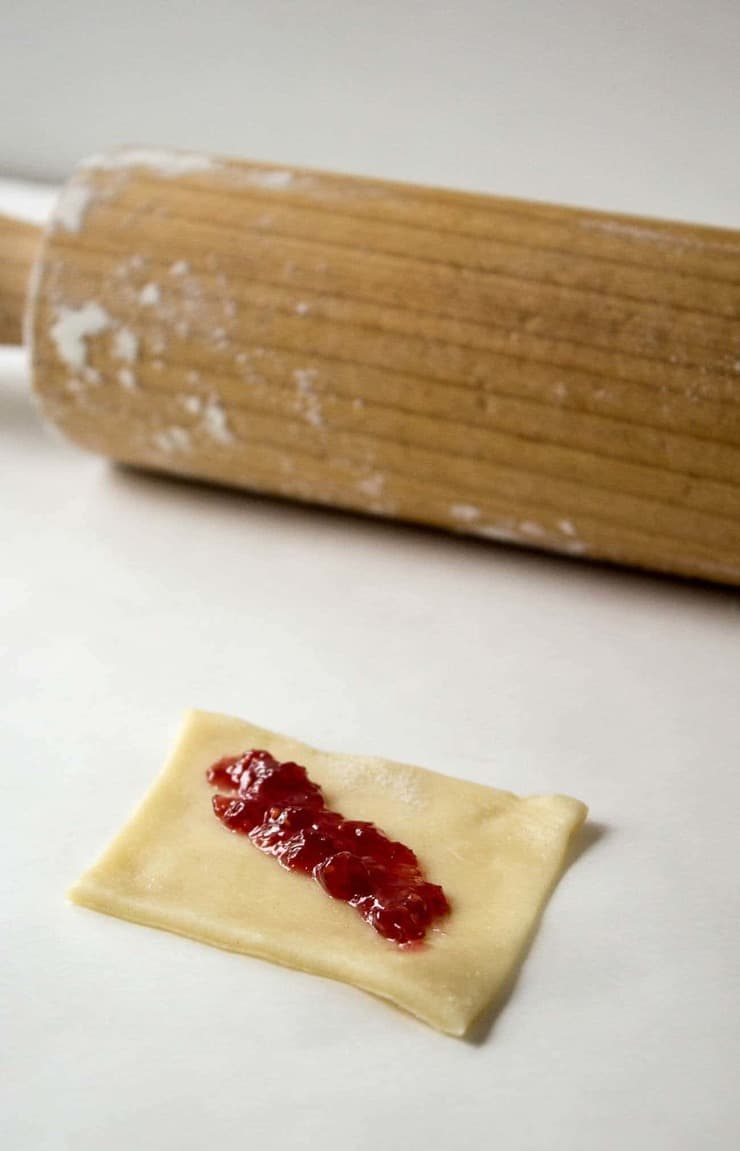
559,378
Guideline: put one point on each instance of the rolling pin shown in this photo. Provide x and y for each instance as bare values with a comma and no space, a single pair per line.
554,377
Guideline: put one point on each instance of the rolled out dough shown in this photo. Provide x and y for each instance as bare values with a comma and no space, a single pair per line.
498,857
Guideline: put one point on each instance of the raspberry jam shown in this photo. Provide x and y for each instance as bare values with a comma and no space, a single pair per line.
284,814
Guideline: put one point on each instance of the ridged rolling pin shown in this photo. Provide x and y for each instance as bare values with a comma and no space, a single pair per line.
560,378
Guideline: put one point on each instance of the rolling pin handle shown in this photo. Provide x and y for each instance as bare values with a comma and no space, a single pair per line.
19,243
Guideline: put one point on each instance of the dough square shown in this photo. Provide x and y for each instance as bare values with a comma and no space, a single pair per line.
175,866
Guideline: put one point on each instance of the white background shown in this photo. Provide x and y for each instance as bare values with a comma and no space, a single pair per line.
125,598
628,104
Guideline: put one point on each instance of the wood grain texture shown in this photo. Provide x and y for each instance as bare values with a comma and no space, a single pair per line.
553,377
19,243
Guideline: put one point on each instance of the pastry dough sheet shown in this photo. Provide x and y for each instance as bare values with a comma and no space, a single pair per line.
175,866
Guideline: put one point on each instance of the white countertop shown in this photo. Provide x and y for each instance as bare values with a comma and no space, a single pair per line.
126,598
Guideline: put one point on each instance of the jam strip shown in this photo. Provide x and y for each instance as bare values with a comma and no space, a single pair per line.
284,814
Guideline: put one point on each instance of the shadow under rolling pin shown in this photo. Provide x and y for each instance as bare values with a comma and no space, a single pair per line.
558,378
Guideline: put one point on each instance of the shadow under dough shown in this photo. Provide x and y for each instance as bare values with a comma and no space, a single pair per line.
590,834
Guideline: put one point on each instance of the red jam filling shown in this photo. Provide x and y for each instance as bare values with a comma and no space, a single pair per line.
284,814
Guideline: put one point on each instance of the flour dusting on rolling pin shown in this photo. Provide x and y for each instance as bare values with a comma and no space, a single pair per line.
556,378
